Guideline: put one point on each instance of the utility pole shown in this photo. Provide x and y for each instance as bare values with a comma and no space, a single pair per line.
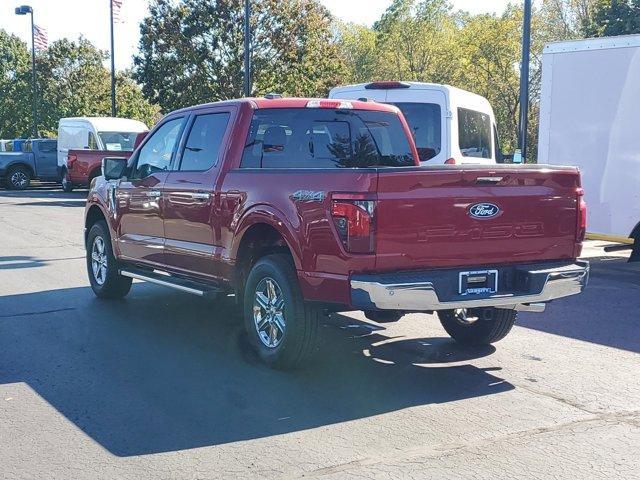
24,10
113,65
247,48
524,80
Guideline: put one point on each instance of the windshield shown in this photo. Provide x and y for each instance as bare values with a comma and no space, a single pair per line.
326,138
425,122
474,130
118,141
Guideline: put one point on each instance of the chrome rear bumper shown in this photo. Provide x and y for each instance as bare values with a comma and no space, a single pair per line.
523,287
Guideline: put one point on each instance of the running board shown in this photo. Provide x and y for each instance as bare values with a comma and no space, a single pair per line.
177,283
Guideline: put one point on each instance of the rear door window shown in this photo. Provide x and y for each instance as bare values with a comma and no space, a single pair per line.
326,138
204,141
425,122
474,131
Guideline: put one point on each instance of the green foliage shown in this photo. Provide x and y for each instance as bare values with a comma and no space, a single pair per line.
72,81
613,17
192,52
15,87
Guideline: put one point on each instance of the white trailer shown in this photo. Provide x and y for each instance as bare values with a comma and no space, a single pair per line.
590,117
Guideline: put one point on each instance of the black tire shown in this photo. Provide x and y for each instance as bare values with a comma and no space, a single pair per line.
383,316
296,343
67,185
635,253
491,326
18,178
108,283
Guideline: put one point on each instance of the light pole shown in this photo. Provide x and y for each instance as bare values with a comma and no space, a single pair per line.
113,65
24,10
247,48
524,80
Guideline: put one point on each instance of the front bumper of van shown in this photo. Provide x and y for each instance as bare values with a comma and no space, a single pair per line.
518,287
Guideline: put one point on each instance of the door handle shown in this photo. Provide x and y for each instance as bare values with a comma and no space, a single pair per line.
200,196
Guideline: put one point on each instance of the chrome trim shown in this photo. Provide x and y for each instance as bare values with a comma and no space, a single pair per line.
157,281
200,196
422,296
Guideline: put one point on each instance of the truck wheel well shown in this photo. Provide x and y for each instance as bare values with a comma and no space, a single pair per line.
261,239
21,165
93,215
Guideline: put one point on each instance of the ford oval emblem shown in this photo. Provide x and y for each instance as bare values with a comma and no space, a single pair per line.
484,210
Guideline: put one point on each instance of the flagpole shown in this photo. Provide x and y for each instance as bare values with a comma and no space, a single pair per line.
113,65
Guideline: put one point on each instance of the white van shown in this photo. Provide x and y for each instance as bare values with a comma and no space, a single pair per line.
449,125
96,133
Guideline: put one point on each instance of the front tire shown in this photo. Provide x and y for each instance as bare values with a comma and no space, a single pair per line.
281,327
18,178
478,326
102,265
67,184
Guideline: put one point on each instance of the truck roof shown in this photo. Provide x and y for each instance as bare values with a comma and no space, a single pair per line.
292,102
621,41
108,123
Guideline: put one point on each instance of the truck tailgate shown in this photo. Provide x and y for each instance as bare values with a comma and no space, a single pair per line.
450,216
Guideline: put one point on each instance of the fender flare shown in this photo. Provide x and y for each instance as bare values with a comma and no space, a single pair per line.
273,217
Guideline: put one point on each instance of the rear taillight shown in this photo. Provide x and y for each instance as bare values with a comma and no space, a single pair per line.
332,104
386,85
71,159
451,161
581,229
354,219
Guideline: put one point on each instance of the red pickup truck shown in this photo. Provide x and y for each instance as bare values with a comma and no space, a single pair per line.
84,165
302,207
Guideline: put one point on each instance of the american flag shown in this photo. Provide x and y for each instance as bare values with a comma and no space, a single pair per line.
40,39
117,6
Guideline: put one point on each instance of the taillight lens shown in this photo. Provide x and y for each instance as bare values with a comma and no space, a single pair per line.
450,161
581,229
71,159
354,221
332,104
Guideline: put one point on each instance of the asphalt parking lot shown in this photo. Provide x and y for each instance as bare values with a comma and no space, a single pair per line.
161,385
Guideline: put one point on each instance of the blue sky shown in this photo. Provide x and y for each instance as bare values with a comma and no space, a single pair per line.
72,18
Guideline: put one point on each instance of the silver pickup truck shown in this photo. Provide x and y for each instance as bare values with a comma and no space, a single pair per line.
38,160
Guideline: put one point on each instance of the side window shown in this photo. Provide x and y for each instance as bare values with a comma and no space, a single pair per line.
91,142
203,144
474,130
157,153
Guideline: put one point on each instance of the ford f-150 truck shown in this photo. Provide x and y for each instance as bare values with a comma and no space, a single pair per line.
302,207
38,160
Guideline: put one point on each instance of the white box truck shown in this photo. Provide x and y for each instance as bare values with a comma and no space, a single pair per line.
590,118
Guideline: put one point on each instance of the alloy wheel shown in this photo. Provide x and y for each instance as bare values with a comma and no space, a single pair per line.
268,312
19,179
99,260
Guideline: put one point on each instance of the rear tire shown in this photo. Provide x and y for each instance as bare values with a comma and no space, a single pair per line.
492,324
383,316
18,178
67,185
102,266
281,327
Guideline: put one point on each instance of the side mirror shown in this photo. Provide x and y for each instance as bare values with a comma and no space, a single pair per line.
139,138
114,168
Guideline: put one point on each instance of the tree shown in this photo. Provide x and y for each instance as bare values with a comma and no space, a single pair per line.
613,17
193,51
72,81
15,87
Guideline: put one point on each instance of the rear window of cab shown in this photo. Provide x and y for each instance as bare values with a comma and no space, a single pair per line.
326,138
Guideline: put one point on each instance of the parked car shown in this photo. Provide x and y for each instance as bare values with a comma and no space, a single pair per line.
305,206
589,116
449,125
37,161
84,142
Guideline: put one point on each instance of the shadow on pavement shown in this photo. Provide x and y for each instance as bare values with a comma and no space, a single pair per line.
162,371
607,312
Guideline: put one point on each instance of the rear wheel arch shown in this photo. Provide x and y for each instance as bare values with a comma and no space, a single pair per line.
24,165
257,241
